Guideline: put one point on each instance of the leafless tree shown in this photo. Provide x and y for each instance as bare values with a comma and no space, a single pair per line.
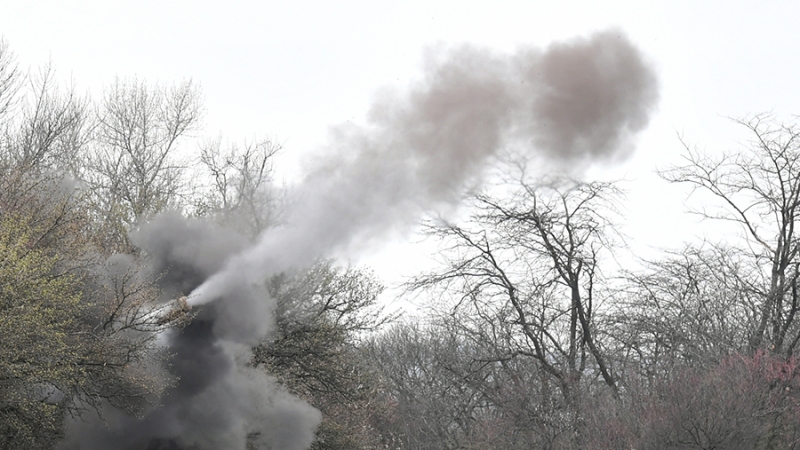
55,127
433,407
524,272
10,80
758,188
742,402
242,191
691,308
135,171
448,391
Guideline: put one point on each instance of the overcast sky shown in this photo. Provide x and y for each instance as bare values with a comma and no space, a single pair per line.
290,70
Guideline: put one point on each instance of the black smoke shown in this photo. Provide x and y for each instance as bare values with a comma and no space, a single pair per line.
571,104
219,402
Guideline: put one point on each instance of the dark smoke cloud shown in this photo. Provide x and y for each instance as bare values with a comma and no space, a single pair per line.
218,404
220,401
574,103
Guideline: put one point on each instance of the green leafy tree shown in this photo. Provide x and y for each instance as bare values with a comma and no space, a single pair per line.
39,359
76,331
316,350
77,328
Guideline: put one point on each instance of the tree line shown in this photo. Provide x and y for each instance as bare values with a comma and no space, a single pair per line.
532,339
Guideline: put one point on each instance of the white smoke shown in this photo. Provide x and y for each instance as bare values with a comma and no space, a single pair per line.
575,102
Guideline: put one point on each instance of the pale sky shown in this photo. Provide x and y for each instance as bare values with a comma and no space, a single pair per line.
290,70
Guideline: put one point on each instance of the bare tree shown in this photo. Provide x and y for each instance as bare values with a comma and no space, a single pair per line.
10,80
43,126
134,171
433,406
691,308
448,391
742,402
55,127
759,190
523,275
242,191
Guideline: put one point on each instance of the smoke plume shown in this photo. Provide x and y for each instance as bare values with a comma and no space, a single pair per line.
578,101
220,402
573,103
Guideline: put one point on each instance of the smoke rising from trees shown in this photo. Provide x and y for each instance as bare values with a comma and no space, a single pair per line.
573,103
220,401
576,102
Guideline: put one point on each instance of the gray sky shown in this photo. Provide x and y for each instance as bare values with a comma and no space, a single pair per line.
290,70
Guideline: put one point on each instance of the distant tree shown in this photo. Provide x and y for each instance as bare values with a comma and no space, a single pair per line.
242,193
759,189
448,390
523,274
432,407
692,307
10,81
445,394
743,402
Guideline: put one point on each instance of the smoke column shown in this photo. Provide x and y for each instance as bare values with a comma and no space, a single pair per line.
576,102
219,402
571,104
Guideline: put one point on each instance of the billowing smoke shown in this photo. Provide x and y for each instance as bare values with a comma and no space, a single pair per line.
574,103
220,402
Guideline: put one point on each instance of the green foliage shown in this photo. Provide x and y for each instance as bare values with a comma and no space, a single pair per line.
74,327
316,352
39,364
